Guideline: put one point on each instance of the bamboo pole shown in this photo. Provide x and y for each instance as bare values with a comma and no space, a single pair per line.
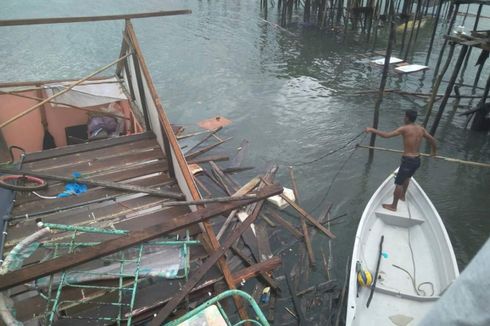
66,104
32,108
438,157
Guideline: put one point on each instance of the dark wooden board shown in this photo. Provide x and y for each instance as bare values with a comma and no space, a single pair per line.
85,147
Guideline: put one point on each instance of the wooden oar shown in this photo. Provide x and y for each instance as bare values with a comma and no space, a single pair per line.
448,159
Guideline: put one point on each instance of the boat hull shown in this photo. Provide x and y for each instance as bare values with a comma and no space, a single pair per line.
416,265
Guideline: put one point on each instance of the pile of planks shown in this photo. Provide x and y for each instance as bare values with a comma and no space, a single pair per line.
264,258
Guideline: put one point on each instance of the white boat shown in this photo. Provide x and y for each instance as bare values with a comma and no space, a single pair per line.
416,260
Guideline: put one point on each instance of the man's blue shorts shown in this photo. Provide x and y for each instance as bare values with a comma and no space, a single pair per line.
407,168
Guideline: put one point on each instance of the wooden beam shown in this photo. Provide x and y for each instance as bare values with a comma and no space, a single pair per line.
173,224
304,227
288,226
213,258
271,282
256,269
83,19
208,158
306,215
85,147
105,184
205,149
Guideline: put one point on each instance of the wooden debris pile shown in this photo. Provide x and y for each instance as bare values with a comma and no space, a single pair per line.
262,244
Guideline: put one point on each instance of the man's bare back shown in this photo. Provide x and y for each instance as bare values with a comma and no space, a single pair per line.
412,138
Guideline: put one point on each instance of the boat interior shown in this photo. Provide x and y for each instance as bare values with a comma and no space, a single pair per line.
416,264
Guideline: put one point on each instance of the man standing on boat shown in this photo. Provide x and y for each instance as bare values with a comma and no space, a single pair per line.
412,137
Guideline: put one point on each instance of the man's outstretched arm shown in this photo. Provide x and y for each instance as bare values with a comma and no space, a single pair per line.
432,142
384,134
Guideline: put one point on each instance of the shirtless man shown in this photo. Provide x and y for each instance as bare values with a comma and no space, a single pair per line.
412,137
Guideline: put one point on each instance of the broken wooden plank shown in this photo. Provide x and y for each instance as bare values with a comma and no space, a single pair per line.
205,149
249,186
296,302
207,200
324,286
52,266
238,169
304,227
222,178
306,215
255,269
283,222
203,140
105,184
213,258
270,282
208,158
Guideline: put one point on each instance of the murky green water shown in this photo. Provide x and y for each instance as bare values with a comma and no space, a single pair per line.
291,96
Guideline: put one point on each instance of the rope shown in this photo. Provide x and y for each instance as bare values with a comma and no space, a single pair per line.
44,197
416,287
339,170
301,163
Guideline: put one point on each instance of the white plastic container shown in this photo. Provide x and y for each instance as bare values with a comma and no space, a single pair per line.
281,203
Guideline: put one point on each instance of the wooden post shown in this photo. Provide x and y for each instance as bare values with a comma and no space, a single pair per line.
436,22
457,67
437,83
386,68
451,24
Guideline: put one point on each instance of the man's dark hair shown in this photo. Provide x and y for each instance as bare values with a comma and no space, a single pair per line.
411,115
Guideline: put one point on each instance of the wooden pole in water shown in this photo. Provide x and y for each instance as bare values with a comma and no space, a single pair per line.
436,22
437,83
385,74
417,15
407,11
462,55
475,26
451,24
